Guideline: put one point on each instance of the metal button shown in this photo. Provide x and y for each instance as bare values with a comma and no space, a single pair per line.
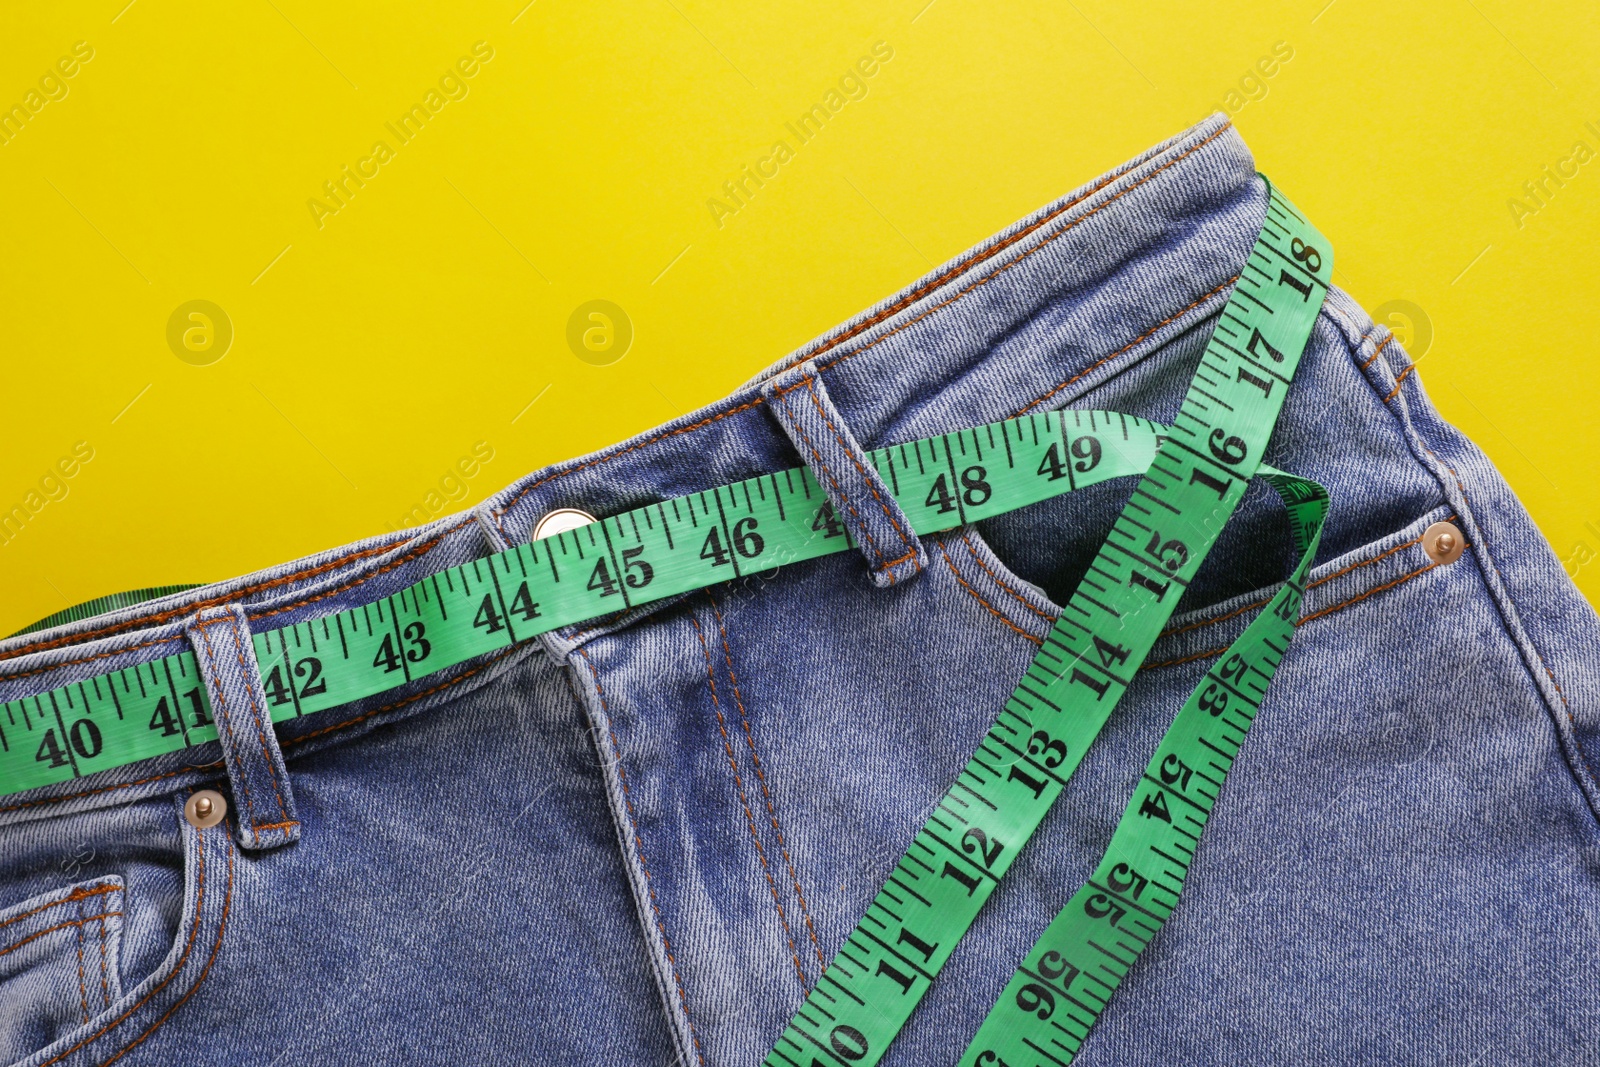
205,809
1443,542
560,521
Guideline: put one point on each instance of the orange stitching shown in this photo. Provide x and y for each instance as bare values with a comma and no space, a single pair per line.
638,848
194,928
608,458
801,430
1566,705
1398,381
744,802
75,895
911,298
1201,299
83,988
173,613
1368,562
865,477
277,825
816,402
973,551
979,597
1207,654
1378,351
991,252
105,988
1301,621
227,904
52,929
227,720
1013,262
956,270
1370,592
1309,585
500,514
772,813
248,674
90,659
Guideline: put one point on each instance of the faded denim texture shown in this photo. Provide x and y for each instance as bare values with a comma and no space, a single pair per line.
638,840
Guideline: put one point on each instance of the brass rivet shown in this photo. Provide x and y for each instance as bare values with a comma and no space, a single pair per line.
1443,542
205,809
560,521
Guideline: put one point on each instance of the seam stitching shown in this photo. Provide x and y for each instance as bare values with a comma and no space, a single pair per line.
638,848
907,301
74,895
42,801
227,720
955,271
1566,707
552,476
194,928
744,802
52,929
766,793
1018,597
105,986
1208,653
1309,585
1398,382
1501,602
865,532
1376,351
227,904
948,562
83,988
246,675
457,680
816,400
990,253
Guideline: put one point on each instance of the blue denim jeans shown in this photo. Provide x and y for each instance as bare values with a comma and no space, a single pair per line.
640,840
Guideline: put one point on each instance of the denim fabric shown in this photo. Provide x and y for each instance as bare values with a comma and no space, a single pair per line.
639,840
265,817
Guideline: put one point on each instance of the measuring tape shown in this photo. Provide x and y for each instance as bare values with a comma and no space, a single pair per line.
1199,474
640,556
1193,475
1065,982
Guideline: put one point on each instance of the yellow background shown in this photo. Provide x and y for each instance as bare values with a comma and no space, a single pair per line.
375,350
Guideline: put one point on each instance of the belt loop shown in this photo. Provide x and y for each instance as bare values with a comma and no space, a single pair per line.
489,526
262,798
860,498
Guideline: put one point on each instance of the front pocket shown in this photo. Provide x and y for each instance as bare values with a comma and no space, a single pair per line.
1017,603
103,1023
58,963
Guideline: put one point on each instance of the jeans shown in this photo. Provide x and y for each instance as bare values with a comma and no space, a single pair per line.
639,840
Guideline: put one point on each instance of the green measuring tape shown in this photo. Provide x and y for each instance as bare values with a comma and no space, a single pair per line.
640,556
1193,476
1158,542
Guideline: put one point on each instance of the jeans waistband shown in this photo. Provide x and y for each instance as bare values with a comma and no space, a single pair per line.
1108,274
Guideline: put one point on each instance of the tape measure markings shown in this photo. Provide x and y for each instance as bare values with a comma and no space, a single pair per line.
640,556
1041,735
1191,487
1136,886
